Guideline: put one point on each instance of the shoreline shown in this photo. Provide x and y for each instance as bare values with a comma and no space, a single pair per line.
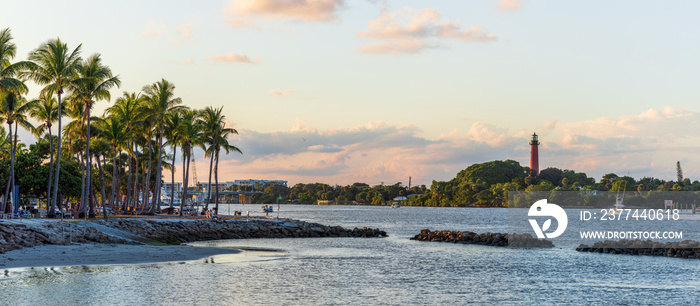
96,254
50,243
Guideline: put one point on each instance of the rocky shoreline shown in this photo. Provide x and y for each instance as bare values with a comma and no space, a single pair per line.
17,235
684,249
491,239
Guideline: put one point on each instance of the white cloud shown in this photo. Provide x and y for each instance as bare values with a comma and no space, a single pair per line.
233,58
242,13
410,31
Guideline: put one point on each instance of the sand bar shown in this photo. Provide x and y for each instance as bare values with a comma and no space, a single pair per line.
104,254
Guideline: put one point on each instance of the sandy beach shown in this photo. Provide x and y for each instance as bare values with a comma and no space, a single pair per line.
104,254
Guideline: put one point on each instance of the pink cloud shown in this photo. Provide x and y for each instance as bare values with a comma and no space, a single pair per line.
232,58
282,93
154,30
241,13
508,5
410,31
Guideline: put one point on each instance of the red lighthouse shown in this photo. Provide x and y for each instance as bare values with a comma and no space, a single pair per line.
534,157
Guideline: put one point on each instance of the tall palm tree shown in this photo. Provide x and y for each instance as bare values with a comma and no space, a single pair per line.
173,136
13,109
216,143
45,110
213,124
55,66
93,84
191,133
162,100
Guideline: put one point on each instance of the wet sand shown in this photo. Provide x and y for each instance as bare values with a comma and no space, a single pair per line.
104,254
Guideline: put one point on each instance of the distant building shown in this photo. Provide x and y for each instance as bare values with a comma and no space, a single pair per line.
204,187
259,183
168,188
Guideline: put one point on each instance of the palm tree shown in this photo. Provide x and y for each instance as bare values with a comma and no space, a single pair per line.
12,111
130,109
214,126
10,87
191,133
115,132
162,100
55,66
216,143
45,110
173,136
93,84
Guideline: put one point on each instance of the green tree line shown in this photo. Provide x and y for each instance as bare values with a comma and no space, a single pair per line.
484,185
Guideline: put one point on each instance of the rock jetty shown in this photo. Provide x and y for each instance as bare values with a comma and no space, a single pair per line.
188,231
32,233
683,249
492,239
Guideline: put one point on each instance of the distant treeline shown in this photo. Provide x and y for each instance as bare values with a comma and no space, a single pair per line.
484,185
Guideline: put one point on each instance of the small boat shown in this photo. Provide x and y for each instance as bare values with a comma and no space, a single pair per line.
618,207
267,209
395,205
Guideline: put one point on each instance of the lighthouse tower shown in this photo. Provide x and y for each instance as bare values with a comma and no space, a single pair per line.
534,157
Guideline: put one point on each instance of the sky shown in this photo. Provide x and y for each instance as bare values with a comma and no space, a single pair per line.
340,91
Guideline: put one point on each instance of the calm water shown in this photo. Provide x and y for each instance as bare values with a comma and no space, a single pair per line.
393,270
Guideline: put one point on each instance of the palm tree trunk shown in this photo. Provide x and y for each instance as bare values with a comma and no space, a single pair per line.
114,179
128,184
12,164
51,213
48,188
172,186
211,162
135,187
146,196
184,182
82,185
91,211
9,177
216,181
156,192
102,183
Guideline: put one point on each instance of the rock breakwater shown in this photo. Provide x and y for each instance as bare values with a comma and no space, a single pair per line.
492,239
683,249
188,231
124,230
